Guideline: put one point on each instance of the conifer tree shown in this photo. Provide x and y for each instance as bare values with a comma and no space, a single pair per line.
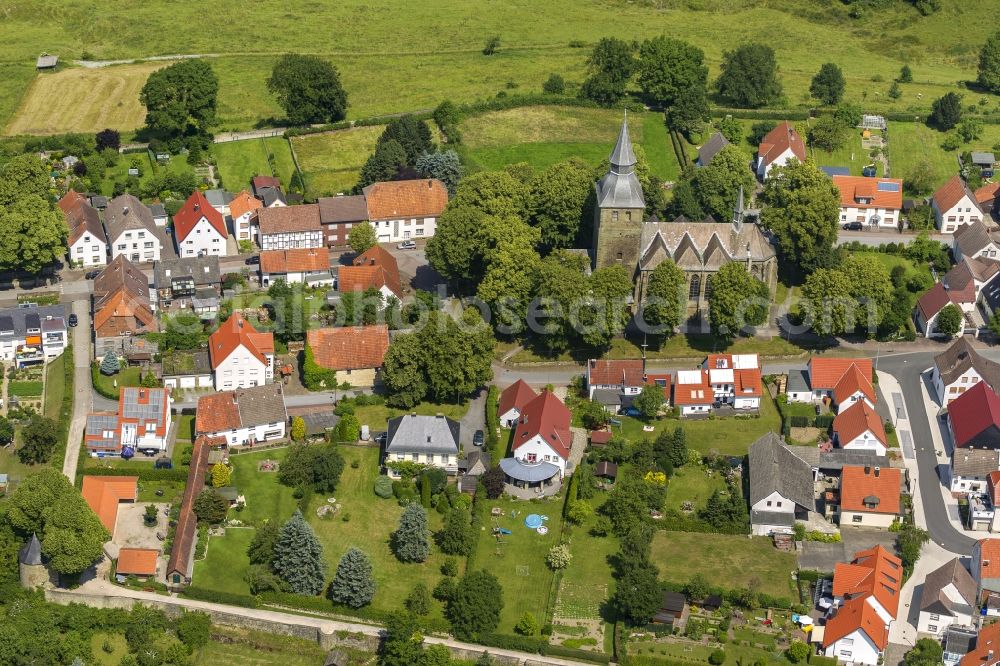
298,557
409,541
110,364
353,584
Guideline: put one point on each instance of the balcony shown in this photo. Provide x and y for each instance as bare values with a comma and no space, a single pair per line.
26,355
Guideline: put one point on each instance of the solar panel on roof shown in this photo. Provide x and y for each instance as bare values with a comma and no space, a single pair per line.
888,187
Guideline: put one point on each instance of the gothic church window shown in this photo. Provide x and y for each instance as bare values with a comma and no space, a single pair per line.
695,289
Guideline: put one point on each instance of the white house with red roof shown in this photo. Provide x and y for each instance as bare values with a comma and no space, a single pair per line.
866,597
971,282
243,211
777,147
542,442
735,379
512,402
869,496
240,356
244,416
199,229
841,381
614,383
974,418
874,202
859,428
693,392
954,204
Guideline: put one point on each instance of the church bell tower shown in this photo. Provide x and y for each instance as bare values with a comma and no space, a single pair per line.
618,216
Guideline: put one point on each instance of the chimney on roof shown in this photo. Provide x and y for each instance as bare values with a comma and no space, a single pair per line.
430,183
868,469
197,206
877,470
125,210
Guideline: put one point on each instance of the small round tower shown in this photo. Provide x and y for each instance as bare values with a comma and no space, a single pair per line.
33,572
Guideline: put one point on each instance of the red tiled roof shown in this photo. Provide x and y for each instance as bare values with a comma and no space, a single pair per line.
236,332
136,561
70,200
988,193
627,372
404,199
288,219
987,650
700,393
857,419
854,615
748,383
515,396
195,208
951,193
299,260
873,572
81,217
825,373
187,523
243,203
547,417
217,412
989,559
258,182
349,347
973,412
103,493
852,382
858,483
778,140
993,486
600,436
853,188
933,300
373,268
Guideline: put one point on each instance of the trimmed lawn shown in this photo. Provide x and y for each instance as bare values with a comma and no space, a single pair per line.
119,648
731,561
25,389
185,427
691,483
172,491
851,155
377,416
587,582
330,162
238,161
690,652
232,647
55,387
105,384
519,560
544,135
147,168
726,435
226,562
266,498
11,466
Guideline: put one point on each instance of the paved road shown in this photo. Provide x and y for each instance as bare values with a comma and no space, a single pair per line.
906,368
885,236
81,388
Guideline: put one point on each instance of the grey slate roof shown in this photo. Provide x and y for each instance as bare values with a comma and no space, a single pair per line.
972,237
934,600
983,159
711,148
960,640
125,213
955,361
773,468
620,188
319,423
475,464
271,194
422,434
260,405
218,198
16,321
798,381
205,271
836,171
536,473
31,552
661,240
970,463
158,210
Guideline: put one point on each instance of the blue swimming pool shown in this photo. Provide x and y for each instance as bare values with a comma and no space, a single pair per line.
533,521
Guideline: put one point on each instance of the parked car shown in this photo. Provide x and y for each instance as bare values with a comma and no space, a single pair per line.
478,438
73,319
253,261
853,226
90,275
407,245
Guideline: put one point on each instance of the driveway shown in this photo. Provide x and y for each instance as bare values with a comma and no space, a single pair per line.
474,419
824,556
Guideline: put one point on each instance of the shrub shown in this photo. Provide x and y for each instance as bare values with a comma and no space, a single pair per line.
718,657
527,625
383,487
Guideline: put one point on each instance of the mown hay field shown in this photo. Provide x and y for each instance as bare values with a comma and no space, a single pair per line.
78,99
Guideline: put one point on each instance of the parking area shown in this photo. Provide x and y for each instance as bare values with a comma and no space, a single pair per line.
823,557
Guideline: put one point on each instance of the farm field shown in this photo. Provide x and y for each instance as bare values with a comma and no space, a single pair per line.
239,161
84,100
544,135
729,560
330,162
400,61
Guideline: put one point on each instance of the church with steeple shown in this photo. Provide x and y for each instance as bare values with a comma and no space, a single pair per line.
624,235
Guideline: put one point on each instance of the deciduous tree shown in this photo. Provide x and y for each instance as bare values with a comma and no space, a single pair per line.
650,400
456,536
749,77
989,64
261,548
637,594
802,212
949,320
611,65
298,557
308,88
353,584
558,202
180,101
667,68
383,165
32,234
831,311
38,440
403,644
220,475
926,652
409,541
718,184
418,601
362,237
475,607
210,506
828,85
738,300
665,297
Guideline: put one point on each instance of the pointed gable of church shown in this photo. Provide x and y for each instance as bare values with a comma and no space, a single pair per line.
715,255
687,254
